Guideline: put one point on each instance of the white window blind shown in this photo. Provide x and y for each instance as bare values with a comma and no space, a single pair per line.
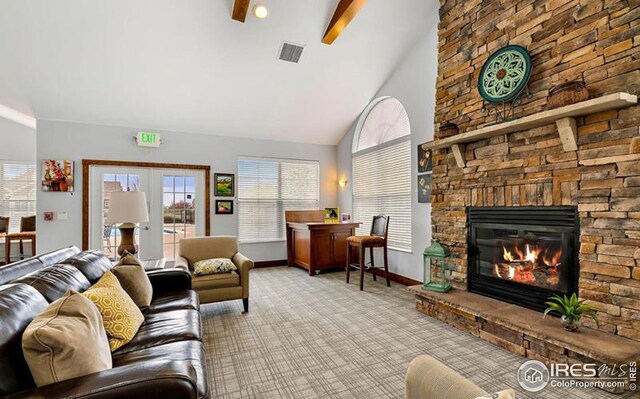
382,185
17,192
269,187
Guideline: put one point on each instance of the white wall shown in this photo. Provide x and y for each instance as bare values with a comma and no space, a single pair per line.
17,142
413,83
75,141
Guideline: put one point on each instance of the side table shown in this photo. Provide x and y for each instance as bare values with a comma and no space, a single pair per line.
152,264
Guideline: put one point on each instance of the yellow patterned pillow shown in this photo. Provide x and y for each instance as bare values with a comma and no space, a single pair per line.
120,315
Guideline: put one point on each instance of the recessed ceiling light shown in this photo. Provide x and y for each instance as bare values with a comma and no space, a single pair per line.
260,11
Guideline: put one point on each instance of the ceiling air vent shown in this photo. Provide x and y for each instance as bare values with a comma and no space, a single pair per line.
290,52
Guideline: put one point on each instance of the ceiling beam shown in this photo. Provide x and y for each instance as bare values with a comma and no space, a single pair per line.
240,9
345,12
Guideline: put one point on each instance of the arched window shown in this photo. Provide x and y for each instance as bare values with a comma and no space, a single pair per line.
382,169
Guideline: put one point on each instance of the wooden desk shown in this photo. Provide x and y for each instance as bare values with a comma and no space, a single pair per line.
317,246
25,235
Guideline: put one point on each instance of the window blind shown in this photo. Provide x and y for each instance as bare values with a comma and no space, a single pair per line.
269,187
382,185
17,192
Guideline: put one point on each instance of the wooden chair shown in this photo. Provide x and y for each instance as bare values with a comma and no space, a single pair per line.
27,224
4,225
4,229
376,239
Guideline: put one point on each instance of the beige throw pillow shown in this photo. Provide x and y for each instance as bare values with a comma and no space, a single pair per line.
66,340
135,281
120,315
213,266
128,259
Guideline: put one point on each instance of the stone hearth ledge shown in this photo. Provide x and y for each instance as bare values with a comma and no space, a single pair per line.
524,331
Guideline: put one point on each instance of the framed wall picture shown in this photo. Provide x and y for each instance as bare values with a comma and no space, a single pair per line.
224,207
331,215
57,175
345,218
223,184
424,188
425,158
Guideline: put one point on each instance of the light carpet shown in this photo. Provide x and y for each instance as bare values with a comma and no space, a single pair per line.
317,337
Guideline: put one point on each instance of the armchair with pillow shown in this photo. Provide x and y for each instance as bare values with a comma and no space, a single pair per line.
219,272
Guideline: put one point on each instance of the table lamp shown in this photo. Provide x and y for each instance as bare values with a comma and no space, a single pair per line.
127,208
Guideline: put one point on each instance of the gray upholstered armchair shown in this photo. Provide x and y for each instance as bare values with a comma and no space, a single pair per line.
216,287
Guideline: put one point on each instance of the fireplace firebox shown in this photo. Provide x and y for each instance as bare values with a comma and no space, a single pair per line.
523,255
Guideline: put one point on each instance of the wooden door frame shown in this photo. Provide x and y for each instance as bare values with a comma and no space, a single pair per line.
87,163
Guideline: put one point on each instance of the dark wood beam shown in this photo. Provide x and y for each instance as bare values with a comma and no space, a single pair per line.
240,9
345,12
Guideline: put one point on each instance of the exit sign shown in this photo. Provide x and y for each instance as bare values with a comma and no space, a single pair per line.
148,139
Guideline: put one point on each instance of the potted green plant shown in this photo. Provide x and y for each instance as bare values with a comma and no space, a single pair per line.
571,310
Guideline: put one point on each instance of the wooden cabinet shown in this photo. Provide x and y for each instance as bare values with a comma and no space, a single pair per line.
318,246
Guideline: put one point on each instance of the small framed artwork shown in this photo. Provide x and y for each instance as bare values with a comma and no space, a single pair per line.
345,217
48,216
425,158
331,215
57,175
223,184
424,188
224,207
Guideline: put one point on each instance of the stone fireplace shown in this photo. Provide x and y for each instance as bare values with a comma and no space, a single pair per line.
523,255
547,207
595,41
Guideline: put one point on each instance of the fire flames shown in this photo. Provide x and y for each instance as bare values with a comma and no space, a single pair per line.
531,264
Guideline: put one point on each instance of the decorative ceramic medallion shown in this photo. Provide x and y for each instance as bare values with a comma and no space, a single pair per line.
505,74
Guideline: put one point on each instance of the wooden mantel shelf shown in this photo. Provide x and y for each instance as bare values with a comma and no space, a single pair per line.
563,117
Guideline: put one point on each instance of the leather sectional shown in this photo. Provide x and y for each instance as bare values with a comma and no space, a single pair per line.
165,359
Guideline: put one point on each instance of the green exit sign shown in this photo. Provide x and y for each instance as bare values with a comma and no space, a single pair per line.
148,139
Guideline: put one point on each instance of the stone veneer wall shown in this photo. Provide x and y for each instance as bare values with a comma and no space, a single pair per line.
596,40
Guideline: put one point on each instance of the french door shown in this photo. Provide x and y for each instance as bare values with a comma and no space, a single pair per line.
172,200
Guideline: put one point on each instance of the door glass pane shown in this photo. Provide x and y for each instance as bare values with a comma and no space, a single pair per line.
110,234
178,202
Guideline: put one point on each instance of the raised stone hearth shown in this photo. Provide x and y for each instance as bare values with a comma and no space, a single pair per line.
597,41
523,331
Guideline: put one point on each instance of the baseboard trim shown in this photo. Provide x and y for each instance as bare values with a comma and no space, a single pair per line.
396,278
270,263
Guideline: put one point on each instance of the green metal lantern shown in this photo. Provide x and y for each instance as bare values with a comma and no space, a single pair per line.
438,257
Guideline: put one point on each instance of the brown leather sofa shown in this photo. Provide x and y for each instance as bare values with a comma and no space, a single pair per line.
164,360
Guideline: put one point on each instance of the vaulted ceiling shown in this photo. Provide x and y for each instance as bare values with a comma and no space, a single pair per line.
187,66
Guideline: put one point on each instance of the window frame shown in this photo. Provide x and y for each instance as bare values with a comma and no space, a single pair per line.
355,152
362,119
33,201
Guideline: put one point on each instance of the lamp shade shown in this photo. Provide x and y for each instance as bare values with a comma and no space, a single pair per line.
128,207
